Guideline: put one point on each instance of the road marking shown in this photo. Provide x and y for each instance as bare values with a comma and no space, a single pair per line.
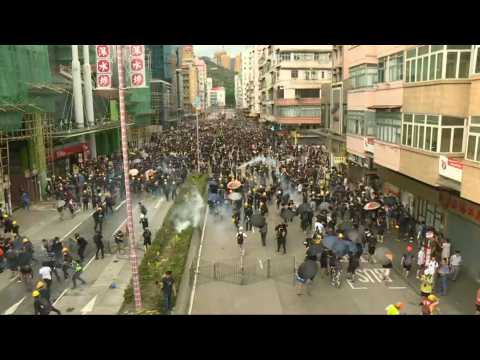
157,205
192,295
89,307
121,225
14,307
397,287
61,295
261,264
77,226
89,262
120,205
14,278
356,288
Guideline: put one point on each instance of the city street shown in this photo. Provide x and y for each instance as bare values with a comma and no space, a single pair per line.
16,299
367,295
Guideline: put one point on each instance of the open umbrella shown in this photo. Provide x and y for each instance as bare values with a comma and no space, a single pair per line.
314,250
340,247
287,214
149,172
234,196
372,205
352,247
133,172
308,269
383,255
304,208
234,184
137,161
285,198
324,206
329,241
258,220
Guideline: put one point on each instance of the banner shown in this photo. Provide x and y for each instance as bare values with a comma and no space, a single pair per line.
450,168
137,65
104,66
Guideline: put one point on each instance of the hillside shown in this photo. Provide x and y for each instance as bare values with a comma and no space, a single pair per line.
222,77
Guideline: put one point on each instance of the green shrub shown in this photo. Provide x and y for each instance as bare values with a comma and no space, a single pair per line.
168,251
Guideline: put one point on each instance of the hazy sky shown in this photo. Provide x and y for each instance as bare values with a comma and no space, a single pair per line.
209,50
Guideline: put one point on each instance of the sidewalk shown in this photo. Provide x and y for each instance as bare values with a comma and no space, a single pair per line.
461,293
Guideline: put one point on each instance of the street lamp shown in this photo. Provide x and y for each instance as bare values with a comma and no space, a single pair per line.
123,128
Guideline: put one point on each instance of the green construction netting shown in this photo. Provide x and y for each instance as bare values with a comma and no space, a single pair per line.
21,67
139,102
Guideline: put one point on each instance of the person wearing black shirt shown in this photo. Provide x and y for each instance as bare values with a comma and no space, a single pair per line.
82,244
97,238
168,289
281,230
147,238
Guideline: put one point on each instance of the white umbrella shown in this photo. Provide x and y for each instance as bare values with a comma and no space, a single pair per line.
133,172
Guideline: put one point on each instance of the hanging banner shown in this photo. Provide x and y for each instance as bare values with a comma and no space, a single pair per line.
104,66
450,168
137,65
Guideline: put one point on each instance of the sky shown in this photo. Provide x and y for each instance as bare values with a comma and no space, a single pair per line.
209,50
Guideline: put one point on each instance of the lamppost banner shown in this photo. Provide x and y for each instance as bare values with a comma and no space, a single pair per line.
136,64
104,66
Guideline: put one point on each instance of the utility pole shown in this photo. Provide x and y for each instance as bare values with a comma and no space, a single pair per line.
123,127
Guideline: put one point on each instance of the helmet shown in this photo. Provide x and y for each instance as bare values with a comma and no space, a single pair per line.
399,305
14,222
432,298
40,284
65,250
25,240
36,293
5,216
77,235
240,228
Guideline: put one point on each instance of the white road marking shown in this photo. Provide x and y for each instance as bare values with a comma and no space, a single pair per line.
14,307
88,264
397,287
121,225
77,226
356,288
61,295
192,295
261,264
89,307
120,205
157,205
14,278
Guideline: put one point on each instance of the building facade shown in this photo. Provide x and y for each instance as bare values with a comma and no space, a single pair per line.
202,83
413,123
238,92
217,97
290,81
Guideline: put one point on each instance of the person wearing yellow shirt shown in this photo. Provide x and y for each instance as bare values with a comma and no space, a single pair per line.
426,285
394,309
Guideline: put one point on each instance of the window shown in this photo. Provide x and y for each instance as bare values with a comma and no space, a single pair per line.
355,122
294,74
388,126
421,132
307,75
307,93
284,56
473,148
299,111
382,63
395,67
426,62
477,62
363,76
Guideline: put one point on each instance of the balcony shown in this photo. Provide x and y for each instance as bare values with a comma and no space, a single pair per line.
298,101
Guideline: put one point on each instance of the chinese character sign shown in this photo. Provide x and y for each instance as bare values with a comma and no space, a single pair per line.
104,67
137,65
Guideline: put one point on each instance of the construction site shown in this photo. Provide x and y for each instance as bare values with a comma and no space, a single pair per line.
52,115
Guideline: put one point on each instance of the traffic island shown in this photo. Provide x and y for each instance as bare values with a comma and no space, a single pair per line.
169,249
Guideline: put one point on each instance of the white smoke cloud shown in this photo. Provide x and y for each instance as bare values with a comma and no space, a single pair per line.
260,159
190,212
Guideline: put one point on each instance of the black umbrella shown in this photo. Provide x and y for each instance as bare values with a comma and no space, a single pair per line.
285,198
258,220
308,269
287,214
304,208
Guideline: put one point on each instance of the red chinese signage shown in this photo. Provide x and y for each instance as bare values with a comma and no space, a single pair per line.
137,65
71,150
104,67
465,208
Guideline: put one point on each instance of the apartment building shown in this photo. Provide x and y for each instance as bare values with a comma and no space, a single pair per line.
238,92
249,79
217,96
413,121
290,81
202,82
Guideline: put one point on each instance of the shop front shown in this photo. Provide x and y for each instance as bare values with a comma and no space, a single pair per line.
67,156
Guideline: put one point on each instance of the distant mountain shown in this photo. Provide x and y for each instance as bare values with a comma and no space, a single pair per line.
222,77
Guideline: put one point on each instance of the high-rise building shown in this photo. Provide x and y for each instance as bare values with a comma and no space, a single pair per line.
222,59
189,79
291,77
249,79
238,64
202,82
209,85
238,92
217,96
